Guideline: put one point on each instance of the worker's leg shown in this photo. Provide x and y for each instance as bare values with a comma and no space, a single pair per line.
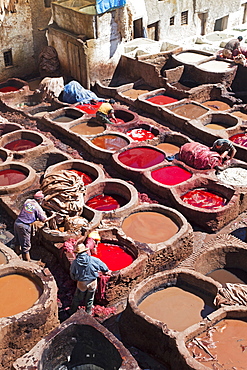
23,236
90,296
78,298
26,256
103,119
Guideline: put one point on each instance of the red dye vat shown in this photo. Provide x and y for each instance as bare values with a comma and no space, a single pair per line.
171,175
85,178
7,89
141,157
203,199
11,177
162,99
114,256
18,145
104,202
89,108
119,121
139,134
240,139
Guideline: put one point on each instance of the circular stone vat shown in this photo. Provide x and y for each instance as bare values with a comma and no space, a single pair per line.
169,149
190,57
40,111
189,110
111,195
240,139
234,176
89,172
66,115
8,127
152,226
220,121
110,142
216,105
12,287
162,99
140,134
219,344
115,256
12,85
161,306
239,114
15,177
170,175
89,127
141,157
216,66
69,347
203,198
124,118
23,141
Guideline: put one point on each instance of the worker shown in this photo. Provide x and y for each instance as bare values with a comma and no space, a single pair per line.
225,148
233,45
84,269
105,112
31,211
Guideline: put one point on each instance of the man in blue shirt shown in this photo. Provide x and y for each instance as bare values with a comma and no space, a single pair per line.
30,212
84,269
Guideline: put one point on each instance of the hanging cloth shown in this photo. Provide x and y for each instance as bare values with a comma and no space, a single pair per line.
103,6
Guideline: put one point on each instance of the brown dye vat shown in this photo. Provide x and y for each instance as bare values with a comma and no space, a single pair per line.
216,126
149,227
63,119
216,105
3,259
230,275
177,307
41,113
110,142
226,343
241,115
88,128
169,149
18,293
134,93
190,110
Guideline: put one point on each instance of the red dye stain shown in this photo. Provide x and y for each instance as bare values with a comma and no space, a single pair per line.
89,108
162,99
240,139
139,134
11,177
85,178
7,89
203,199
171,175
119,121
104,202
115,257
18,145
141,157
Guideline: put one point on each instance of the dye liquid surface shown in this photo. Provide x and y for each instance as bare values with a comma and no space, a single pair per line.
240,139
19,145
174,306
190,110
139,134
240,115
87,179
215,66
216,105
18,293
88,128
170,175
162,99
115,257
64,119
190,57
149,227
233,176
169,149
216,126
104,202
141,157
110,142
7,89
134,93
11,177
204,199
234,276
225,345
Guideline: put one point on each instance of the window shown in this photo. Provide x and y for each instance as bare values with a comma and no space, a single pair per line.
8,60
221,23
244,12
172,21
138,28
153,31
184,17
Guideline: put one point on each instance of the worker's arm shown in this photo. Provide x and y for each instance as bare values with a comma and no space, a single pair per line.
233,152
111,115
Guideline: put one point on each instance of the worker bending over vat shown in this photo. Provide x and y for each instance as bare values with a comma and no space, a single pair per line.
105,112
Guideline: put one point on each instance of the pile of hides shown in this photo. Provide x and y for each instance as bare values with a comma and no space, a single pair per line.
231,294
64,193
51,87
49,64
199,156
73,93
75,223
